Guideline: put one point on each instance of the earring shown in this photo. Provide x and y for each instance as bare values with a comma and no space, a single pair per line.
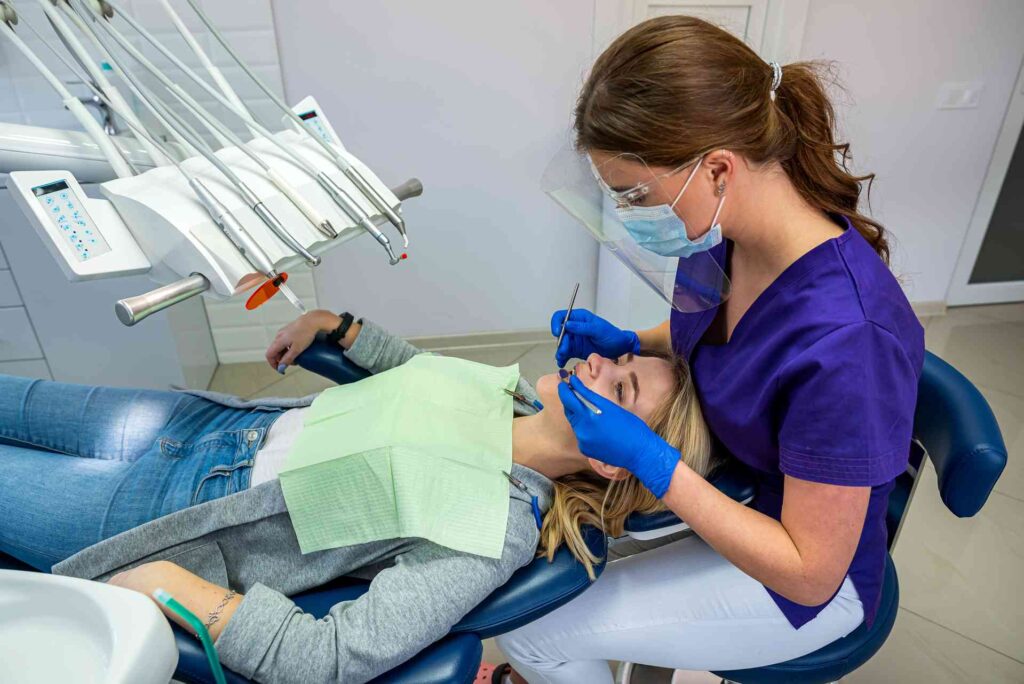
721,189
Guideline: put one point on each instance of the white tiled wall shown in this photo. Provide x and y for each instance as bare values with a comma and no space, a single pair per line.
20,353
249,27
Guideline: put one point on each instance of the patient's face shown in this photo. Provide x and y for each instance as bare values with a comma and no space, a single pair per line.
638,384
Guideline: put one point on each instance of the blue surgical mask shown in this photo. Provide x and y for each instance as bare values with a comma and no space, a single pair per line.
659,230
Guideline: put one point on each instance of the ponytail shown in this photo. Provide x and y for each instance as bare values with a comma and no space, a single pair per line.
804,120
674,87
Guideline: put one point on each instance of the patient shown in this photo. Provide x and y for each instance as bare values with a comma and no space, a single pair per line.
179,490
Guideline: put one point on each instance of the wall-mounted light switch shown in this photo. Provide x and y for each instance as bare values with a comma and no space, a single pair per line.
959,95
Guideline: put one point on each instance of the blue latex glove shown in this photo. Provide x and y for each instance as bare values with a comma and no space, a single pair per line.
619,438
586,333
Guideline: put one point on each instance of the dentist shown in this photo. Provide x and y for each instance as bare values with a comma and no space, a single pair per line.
717,179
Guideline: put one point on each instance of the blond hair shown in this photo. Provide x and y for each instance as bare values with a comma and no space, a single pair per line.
586,498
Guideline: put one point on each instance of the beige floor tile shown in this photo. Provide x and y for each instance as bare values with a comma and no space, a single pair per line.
1003,312
1009,411
964,573
538,361
298,382
922,652
243,379
987,350
493,356
493,654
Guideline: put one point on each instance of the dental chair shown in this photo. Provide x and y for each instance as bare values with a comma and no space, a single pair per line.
955,428
953,423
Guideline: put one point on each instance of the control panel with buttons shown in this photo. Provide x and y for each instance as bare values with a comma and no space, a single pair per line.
67,212
86,236
316,123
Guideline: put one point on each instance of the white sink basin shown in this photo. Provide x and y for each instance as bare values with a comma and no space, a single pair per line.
61,629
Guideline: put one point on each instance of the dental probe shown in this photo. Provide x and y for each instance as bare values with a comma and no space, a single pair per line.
225,221
568,312
521,398
346,167
337,194
564,375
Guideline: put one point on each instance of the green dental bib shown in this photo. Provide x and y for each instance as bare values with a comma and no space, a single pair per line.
416,451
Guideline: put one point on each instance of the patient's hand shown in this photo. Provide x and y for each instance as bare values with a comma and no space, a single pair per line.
144,578
294,338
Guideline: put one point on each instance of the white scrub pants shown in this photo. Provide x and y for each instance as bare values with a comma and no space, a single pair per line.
679,606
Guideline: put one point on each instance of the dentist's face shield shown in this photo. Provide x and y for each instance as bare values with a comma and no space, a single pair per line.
622,191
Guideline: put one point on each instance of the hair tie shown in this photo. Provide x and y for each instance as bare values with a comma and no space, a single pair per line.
776,78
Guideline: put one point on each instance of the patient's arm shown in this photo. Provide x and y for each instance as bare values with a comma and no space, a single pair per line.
408,607
366,344
196,594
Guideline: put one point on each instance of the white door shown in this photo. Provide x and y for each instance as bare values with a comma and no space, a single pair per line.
990,268
773,28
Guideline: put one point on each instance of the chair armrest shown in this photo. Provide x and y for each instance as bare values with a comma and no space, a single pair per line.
733,479
957,428
329,361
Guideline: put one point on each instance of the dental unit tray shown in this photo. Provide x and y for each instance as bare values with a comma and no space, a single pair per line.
152,223
214,219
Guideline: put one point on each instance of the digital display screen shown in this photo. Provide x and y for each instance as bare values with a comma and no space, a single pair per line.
55,186
311,114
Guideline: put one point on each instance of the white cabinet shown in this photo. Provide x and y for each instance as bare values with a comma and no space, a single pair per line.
17,339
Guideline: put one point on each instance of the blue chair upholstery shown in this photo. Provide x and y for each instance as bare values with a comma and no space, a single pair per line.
955,426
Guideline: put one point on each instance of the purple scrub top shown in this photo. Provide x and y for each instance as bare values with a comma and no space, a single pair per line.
818,382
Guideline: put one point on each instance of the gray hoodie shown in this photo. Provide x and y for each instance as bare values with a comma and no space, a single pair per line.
246,542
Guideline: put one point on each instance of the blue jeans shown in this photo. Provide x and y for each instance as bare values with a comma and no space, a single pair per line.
80,464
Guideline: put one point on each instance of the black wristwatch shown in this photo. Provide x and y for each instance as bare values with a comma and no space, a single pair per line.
336,335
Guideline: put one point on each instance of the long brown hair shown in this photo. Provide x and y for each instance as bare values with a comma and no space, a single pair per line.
586,498
675,87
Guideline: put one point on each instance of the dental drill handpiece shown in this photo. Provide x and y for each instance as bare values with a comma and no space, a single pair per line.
346,167
355,212
196,141
320,222
240,238
337,194
250,197
247,248
247,194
